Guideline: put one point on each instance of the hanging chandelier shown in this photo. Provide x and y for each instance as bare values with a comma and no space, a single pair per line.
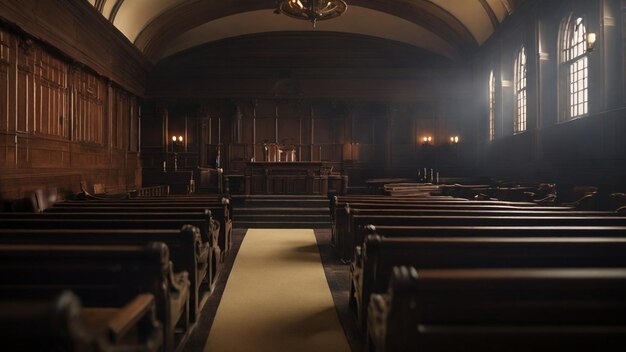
311,10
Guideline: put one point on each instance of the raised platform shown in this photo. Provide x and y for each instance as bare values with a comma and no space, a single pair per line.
280,211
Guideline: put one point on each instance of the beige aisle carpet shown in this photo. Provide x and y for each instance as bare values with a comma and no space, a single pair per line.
277,298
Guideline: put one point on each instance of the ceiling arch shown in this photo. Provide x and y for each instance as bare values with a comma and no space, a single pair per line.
447,27
388,27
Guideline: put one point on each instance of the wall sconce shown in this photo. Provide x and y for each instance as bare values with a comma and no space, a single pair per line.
427,139
176,141
454,139
590,40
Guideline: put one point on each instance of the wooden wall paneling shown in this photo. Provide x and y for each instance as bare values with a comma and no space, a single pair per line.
7,106
5,57
265,133
54,128
247,130
50,111
25,91
151,128
90,108
289,130
74,28
312,134
133,135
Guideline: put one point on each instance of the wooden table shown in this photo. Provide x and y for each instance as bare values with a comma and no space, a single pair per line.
293,177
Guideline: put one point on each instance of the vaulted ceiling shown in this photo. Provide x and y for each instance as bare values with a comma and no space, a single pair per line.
161,28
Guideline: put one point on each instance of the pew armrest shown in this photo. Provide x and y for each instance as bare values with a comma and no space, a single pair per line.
140,311
581,202
179,281
549,199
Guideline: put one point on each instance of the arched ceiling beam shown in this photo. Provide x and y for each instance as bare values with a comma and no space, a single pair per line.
492,15
115,9
357,22
100,5
166,27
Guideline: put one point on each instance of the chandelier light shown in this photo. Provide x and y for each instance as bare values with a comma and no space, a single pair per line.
311,10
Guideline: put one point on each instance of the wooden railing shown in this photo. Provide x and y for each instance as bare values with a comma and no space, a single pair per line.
154,191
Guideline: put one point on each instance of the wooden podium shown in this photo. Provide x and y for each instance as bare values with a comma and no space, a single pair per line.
288,177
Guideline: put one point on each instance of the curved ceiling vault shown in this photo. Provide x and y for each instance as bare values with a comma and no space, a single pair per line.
160,28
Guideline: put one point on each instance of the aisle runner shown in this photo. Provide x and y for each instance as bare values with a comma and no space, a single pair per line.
277,298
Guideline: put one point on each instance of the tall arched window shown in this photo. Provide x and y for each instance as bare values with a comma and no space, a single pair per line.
574,69
492,106
519,121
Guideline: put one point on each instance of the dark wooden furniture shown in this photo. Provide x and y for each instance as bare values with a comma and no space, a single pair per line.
102,276
61,323
179,182
294,177
343,228
219,211
500,310
187,250
372,270
357,227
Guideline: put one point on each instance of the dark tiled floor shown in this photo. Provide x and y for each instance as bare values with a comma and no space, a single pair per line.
337,274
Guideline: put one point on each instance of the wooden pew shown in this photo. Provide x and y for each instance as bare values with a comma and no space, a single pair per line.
102,276
342,233
186,249
41,222
339,210
500,310
343,225
497,231
61,324
219,213
208,235
337,203
380,254
355,231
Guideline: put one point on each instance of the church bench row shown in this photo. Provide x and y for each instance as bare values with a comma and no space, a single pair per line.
209,229
25,325
338,207
131,216
346,222
344,241
103,276
219,212
187,251
371,271
357,227
209,199
499,310
338,203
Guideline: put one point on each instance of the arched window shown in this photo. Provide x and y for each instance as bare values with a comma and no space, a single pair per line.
519,121
574,69
492,106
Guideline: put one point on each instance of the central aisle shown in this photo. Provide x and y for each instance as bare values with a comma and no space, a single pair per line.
277,298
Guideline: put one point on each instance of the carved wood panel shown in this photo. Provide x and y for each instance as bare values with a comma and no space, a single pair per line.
55,126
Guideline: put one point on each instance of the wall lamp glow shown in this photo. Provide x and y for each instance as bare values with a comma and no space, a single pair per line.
454,139
590,40
427,139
